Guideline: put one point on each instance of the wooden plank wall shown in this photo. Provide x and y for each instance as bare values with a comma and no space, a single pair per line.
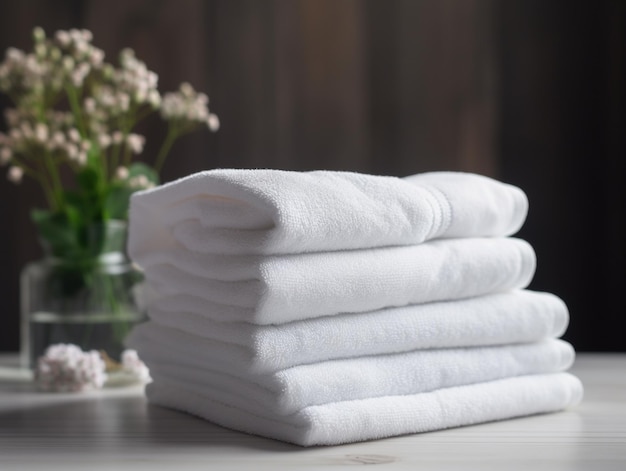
390,87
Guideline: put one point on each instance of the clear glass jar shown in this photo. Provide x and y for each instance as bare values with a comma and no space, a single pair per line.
89,301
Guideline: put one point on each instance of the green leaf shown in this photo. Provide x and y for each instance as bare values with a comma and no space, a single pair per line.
117,201
139,168
58,231
88,179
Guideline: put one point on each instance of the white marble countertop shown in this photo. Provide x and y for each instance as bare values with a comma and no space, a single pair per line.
115,429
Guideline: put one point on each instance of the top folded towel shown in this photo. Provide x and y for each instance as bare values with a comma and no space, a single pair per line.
278,212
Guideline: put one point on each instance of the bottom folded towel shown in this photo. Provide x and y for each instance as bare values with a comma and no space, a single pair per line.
366,419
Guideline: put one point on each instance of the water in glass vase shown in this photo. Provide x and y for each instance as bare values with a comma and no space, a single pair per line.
101,332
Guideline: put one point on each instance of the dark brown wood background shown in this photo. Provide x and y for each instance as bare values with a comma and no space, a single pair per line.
528,91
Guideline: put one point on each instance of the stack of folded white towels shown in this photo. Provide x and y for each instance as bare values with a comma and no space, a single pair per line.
330,307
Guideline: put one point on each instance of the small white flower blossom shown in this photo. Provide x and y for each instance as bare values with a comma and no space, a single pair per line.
74,135
15,134
81,158
58,139
96,57
27,130
140,182
121,173
41,50
15,174
66,368
213,122
133,366
5,155
104,140
41,132
39,34
63,38
90,105
14,55
135,143
188,106
68,63
72,151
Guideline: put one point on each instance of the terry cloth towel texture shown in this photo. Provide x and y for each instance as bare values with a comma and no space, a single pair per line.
290,390
273,211
277,289
323,308
506,318
373,418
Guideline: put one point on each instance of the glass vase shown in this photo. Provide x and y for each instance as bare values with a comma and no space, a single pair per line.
88,300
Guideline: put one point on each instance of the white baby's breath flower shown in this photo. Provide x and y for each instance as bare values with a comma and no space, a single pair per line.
86,35
27,130
186,89
14,55
12,116
89,104
79,74
5,155
41,132
68,64
114,100
63,38
41,50
81,158
55,54
121,173
58,139
140,182
135,143
104,140
15,134
39,34
188,106
66,368
154,98
74,135
213,122
133,366
96,56
123,102
15,174
72,151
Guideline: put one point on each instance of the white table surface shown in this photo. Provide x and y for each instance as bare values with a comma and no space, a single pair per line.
116,430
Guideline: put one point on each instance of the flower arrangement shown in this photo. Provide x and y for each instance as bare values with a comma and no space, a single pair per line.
75,117
73,130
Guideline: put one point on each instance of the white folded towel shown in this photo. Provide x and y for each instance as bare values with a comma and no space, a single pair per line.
483,321
274,211
277,289
373,418
513,317
287,391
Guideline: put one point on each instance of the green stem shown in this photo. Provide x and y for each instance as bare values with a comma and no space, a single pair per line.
115,156
55,180
47,191
72,98
172,135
